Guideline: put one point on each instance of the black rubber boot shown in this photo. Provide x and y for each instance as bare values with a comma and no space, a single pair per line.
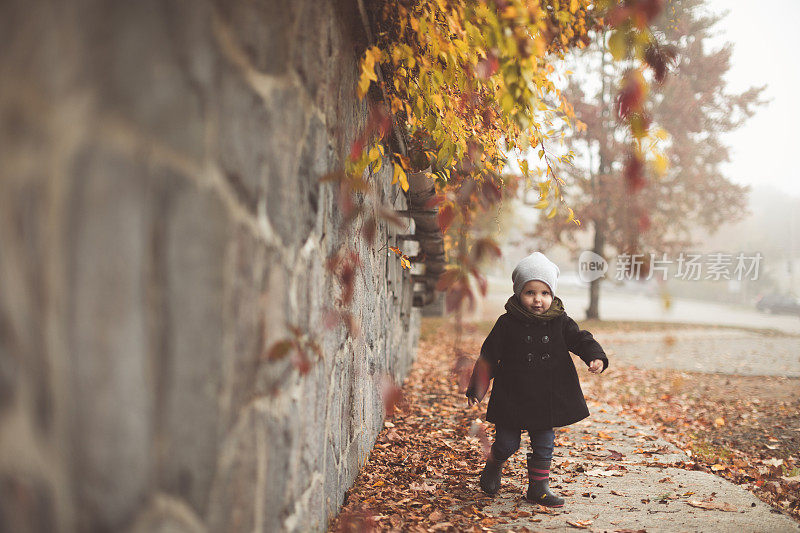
539,484
490,477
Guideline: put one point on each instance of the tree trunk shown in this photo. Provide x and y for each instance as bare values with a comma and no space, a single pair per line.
603,168
593,311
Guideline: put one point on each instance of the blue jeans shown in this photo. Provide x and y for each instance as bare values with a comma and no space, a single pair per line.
507,441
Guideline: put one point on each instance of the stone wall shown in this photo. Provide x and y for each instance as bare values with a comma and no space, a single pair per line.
161,226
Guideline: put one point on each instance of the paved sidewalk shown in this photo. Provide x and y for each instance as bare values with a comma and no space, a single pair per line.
616,476
728,351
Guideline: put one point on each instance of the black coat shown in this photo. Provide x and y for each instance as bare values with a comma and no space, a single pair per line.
535,382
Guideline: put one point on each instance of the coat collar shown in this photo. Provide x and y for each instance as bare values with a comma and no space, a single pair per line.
515,309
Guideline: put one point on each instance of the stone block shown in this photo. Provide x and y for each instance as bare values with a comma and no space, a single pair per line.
314,164
265,29
111,426
198,232
26,504
312,49
140,73
248,302
252,474
165,514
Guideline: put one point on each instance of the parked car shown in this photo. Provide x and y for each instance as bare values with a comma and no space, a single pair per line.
779,304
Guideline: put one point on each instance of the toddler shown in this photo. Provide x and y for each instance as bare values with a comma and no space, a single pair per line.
536,385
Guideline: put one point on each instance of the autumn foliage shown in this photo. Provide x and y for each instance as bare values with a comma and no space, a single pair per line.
455,86
466,83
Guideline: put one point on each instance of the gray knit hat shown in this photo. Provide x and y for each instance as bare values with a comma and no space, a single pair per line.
535,267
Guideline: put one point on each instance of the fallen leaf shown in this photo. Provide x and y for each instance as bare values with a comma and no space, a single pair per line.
617,493
615,455
422,486
717,467
773,462
580,524
601,473
711,506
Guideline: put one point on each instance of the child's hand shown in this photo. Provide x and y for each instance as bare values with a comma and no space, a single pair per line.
596,366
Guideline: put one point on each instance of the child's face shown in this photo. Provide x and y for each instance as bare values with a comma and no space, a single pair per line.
536,297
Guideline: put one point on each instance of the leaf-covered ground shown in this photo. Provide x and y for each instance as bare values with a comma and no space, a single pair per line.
422,472
744,428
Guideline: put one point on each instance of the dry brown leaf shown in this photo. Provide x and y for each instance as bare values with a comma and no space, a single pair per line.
580,524
422,486
712,506
596,472
436,516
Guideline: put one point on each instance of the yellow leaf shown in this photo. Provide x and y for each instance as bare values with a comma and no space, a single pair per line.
396,173
617,44
661,164
363,86
541,204
552,213
374,153
401,176
717,467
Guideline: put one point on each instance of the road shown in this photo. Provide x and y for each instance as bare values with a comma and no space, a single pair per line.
621,305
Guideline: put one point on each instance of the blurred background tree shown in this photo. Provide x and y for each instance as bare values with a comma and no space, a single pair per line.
657,209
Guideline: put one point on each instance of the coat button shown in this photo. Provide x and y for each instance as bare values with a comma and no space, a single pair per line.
530,357
528,339
545,339
545,356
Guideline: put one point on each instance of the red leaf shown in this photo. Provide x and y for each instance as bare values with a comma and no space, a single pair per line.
644,222
633,173
356,148
331,318
369,229
390,393
629,99
486,67
462,370
448,278
446,216
280,349
478,430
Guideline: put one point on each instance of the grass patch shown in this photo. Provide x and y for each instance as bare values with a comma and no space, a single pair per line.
710,452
